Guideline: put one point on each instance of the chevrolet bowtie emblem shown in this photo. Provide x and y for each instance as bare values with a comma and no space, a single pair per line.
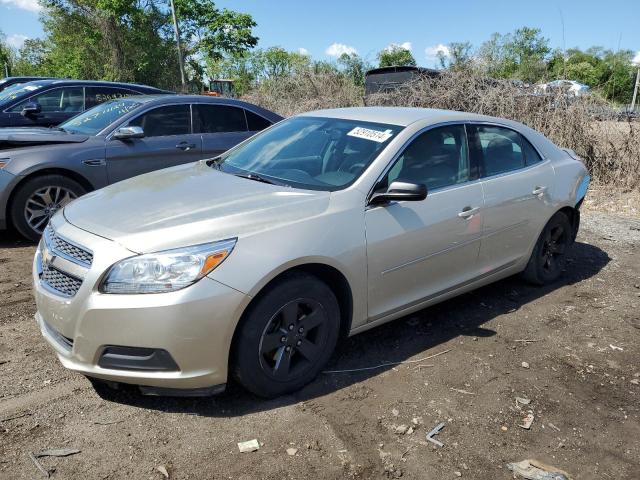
47,256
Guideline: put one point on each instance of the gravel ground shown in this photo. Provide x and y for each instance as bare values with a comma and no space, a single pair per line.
580,369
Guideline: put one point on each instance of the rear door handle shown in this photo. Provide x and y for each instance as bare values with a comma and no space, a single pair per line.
468,212
539,191
185,146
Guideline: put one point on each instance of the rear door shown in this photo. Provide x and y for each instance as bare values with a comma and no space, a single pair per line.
221,126
516,182
168,141
417,250
57,105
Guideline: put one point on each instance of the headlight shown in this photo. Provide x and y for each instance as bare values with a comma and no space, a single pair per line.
4,162
166,271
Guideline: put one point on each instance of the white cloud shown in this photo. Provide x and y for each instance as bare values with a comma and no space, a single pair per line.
303,51
16,40
636,59
29,5
339,49
404,45
433,52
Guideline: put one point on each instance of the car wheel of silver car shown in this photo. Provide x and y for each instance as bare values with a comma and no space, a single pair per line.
287,336
38,199
549,256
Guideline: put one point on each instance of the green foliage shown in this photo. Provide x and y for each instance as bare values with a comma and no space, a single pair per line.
395,55
521,54
459,56
354,67
133,40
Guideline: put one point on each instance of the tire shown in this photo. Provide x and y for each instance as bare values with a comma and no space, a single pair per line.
549,256
287,336
41,197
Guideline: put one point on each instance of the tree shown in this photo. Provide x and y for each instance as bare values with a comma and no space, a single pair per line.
459,56
133,40
354,67
521,54
6,55
395,55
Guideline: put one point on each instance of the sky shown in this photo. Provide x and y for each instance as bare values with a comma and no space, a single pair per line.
327,28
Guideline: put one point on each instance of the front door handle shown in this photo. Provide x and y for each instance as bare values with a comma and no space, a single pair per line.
96,162
186,146
539,191
468,212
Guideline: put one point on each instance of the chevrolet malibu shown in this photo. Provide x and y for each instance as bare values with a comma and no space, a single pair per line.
253,264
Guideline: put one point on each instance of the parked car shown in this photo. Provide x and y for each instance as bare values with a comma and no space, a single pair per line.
8,81
42,169
570,88
254,263
47,103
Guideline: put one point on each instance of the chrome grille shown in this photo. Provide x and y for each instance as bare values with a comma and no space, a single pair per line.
62,283
66,248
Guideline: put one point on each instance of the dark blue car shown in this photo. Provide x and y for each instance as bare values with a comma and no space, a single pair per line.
48,102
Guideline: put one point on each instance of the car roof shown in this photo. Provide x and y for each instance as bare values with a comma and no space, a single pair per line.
167,99
46,82
401,116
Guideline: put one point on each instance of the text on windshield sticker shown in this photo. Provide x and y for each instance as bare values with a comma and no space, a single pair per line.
373,135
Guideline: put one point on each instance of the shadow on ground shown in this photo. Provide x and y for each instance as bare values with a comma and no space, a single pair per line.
416,335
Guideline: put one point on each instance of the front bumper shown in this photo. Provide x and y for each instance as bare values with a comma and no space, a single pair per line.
194,325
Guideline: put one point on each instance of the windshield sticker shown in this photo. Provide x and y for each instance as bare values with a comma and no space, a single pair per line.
368,134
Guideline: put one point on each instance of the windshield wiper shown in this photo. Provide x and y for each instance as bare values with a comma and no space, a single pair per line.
255,177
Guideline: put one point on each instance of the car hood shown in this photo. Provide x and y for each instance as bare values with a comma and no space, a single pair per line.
11,138
188,205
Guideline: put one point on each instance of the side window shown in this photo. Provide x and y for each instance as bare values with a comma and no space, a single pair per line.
531,156
256,122
97,95
219,118
163,121
501,150
69,99
437,158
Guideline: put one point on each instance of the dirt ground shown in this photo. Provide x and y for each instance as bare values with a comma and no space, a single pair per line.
580,370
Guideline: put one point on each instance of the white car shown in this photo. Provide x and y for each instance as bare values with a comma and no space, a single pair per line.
569,87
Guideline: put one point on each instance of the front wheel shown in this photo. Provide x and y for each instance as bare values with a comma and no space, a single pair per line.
549,256
38,199
287,336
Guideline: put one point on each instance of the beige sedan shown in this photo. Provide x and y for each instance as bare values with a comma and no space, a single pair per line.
253,264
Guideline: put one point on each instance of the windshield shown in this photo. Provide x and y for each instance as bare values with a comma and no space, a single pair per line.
96,119
310,152
17,90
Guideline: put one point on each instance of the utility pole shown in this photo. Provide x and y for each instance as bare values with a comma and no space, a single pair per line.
177,30
635,90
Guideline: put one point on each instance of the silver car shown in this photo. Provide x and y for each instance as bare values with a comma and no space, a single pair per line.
253,264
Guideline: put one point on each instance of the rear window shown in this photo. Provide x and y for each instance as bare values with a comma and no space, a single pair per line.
256,122
218,119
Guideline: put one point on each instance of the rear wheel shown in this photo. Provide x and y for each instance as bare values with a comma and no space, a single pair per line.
287,336
38,199
549,256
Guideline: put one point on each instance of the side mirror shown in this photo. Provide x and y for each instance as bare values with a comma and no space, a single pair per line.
400,190
125,133
31,108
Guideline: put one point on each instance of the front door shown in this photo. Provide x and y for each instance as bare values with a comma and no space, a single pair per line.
168,141
418,250
517,185
56,106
